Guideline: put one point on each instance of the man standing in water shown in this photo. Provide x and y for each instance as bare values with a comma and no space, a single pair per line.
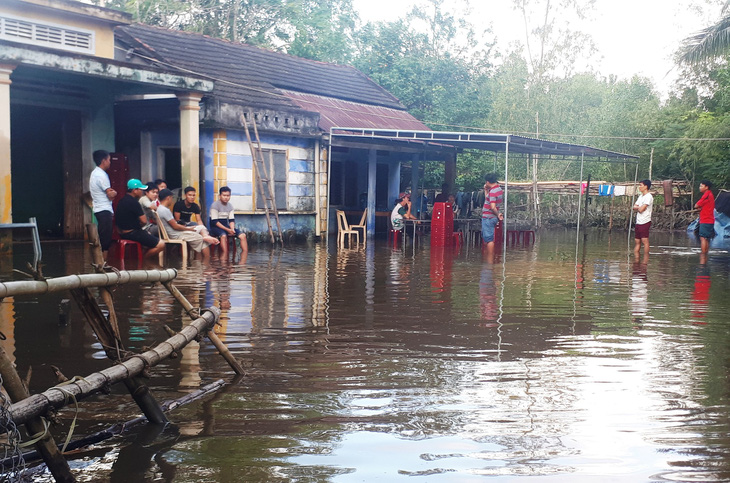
706,205
102,195
642,207
490,212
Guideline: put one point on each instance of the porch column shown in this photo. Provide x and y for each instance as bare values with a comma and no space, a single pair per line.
372,180
393,180
416,197
6,199
190,139
450,172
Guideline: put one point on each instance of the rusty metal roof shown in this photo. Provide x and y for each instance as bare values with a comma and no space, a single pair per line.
337,112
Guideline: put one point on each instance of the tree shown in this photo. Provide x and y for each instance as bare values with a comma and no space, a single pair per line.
710,43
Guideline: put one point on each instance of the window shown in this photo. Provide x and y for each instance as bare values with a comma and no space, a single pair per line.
46,34
276,168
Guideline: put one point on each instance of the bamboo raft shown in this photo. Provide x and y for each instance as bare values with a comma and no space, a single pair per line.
35,411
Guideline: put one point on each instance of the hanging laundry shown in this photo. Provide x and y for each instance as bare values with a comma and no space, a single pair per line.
583,188
630,190
605,190
619,190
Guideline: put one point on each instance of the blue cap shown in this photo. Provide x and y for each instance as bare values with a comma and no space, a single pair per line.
133,184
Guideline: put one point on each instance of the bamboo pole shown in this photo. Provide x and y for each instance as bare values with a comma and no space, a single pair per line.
70,282
212,336
45,445
39,404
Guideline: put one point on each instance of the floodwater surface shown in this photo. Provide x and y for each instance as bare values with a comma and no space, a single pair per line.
560,363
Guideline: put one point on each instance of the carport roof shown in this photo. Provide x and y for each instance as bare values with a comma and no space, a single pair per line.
438,140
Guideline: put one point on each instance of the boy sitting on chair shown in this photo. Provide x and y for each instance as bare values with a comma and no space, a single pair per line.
187,212
175,230
401,210
223,221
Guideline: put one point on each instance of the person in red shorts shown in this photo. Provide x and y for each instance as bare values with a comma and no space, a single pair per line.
643,207
706,205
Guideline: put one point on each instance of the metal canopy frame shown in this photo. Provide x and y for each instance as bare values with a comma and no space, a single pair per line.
438,141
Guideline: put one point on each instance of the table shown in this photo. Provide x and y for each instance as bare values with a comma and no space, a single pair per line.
415,224
469,226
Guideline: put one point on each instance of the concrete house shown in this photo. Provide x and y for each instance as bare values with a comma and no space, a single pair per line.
294,103
75,78
59,83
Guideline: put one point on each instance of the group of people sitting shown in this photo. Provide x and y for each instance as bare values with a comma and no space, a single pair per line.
145,206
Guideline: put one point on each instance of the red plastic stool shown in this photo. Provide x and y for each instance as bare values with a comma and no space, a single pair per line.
458,238
394,235
122,247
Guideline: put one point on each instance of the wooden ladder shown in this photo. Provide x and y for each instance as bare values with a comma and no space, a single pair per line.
262,176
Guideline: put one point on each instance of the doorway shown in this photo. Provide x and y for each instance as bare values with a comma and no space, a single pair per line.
45,163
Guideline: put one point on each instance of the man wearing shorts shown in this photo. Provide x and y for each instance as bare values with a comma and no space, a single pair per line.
642,207
223,221
199,243
102,195
706,205
130,219
491,214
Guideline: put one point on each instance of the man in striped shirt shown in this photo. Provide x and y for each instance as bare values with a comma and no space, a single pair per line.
490,212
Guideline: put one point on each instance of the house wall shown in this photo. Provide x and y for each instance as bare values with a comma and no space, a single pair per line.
103,30
228,162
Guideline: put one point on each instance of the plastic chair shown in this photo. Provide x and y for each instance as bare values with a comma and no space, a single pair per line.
122,245
344,230
169,241
394,235
362,226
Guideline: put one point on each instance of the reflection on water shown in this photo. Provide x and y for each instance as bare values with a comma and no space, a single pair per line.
563,363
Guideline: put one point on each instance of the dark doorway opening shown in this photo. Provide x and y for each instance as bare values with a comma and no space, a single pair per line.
37,164
173,167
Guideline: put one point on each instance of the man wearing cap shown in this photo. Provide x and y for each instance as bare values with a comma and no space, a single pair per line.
130,219
401,210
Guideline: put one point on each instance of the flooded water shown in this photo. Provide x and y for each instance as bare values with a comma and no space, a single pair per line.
563,364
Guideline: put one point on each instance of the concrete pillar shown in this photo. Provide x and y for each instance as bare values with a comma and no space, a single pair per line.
450,172
190,138
372,180
393,181
415,176
6,198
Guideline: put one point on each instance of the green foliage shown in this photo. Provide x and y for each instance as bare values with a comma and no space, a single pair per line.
448,75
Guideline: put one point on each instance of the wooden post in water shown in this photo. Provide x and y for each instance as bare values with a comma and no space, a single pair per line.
108,333
585,209
106,295
610,214
138,389
212,336
45,445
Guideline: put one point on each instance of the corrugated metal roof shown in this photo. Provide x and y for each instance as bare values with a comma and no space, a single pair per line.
483,141
337,112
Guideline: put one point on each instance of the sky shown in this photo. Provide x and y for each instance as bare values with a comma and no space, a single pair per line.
632,36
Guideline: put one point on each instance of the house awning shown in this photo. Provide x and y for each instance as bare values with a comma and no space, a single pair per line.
336,112
437,140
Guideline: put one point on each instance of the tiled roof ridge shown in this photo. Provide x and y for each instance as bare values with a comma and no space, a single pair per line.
245,45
